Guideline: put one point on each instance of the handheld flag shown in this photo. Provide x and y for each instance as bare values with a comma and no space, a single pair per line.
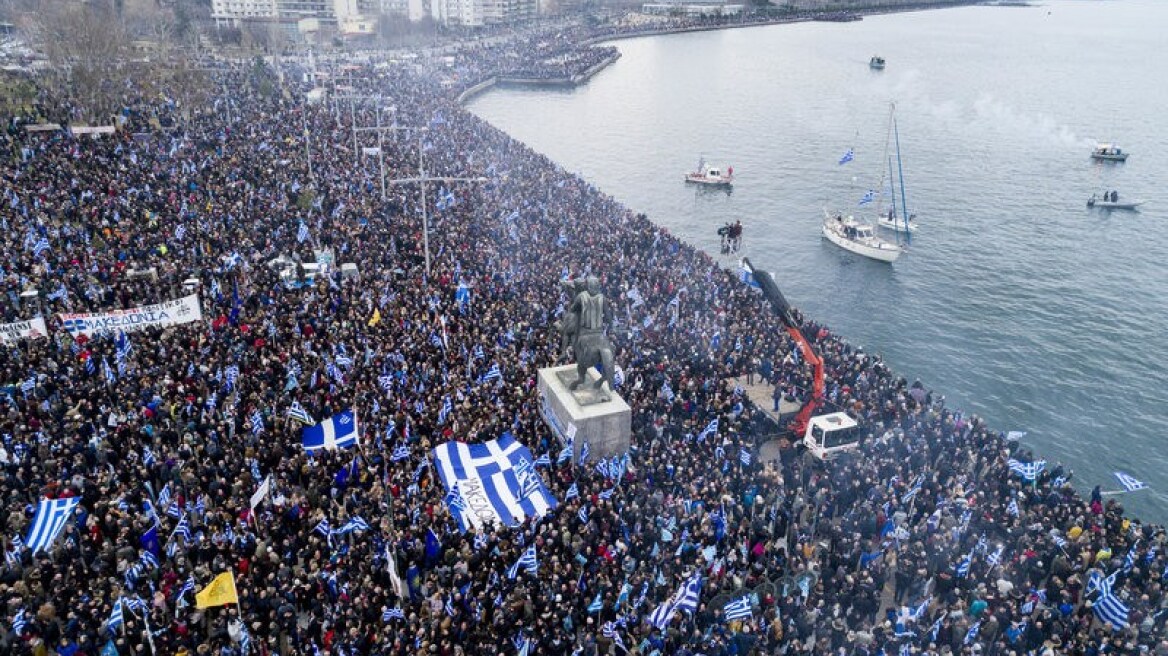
220,591
336,432
50,518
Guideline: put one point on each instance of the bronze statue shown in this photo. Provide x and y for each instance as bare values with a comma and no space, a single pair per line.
582,329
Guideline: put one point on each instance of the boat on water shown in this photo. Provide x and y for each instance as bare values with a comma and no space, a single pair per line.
1107,152
891,221
710,175
1110,201
858,237
876,62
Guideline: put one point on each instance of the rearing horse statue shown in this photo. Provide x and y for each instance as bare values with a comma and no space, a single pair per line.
582,329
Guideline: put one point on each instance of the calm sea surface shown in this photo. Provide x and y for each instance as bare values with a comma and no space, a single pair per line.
1015,301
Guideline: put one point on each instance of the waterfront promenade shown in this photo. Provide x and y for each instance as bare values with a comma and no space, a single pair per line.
163,435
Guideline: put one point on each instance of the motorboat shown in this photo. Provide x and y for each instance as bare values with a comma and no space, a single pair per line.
710,175
1108,153
1111,202
876,62
891,221
858,237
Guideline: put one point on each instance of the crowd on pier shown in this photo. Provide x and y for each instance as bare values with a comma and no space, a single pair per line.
924,542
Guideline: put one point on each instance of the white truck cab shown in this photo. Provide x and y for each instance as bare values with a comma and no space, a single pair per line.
829,434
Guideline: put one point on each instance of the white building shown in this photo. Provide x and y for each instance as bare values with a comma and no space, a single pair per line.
476,13
229,13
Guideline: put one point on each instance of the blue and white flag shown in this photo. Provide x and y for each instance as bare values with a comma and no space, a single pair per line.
445,410
51,516
739,609
848,156
711,430
584,450
868,197
744,456
462,295
995,558
526,561
1108,608
971,635
496,478
565,453
302,234
336,432
393,614
117,617
492,374
964,565
402,452
1027,470
572,493
1013,507
1129,483
297,412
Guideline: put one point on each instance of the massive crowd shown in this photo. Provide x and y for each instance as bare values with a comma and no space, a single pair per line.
924,542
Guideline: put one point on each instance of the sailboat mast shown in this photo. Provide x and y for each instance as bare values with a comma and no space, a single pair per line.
900,174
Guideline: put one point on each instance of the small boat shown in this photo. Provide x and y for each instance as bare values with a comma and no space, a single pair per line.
859,238
876,62
891,222
710,175
1108,153
1112,202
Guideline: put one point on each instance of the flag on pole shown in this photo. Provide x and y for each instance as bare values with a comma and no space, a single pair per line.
1129,483
220,591
848,156
739,609
50,518
336,432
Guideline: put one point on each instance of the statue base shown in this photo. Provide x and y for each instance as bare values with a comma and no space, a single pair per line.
583,415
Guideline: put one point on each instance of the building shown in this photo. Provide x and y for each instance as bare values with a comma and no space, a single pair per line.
230,13
477,13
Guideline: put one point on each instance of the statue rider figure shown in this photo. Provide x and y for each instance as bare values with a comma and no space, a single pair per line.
582,328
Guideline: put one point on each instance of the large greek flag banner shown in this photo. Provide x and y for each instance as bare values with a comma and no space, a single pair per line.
51,515
493,482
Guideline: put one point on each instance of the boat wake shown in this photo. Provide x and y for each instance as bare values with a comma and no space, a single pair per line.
1004,116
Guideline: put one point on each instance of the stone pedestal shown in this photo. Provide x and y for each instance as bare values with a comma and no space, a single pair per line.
583,415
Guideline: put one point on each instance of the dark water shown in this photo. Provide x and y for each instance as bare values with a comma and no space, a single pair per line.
1015,301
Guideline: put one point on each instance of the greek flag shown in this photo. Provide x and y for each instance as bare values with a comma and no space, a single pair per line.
744,456
50,518
492,374
1129,561
1096,581
180,232
667,392
582,514
597,604
188,586
336,432
964,565
607,494
496,478
402,452
1027,470
117,617
297,412
60,294
1108,608
393,614
739,609
1130,484
572,493
302,234
257,422
1013,508
618,376
526,561
848,156
584,453
462,295
972,634
447,408
565,453
323,528
543,461
711,430
41,246
454,500
868,197
356,523
996,557
148,458
182,529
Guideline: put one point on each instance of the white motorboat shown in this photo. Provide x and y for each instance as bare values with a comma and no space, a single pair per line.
1116,204
858,237
877,62
710,175
1109,153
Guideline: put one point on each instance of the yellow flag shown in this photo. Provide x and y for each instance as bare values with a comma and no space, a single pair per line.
218,592
376,318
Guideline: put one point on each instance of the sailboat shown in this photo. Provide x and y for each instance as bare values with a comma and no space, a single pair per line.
860,237
889,220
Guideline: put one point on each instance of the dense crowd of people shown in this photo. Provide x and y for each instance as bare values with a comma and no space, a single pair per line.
923,542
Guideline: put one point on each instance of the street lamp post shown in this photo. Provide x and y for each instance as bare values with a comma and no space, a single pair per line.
422,179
